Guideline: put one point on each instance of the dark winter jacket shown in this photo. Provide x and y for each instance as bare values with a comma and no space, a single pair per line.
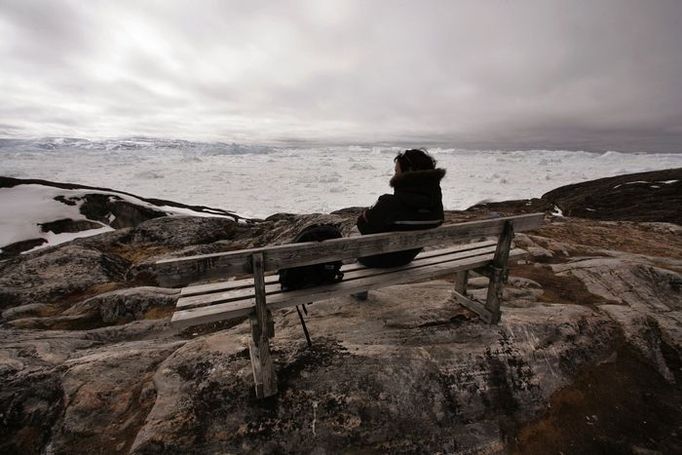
416,203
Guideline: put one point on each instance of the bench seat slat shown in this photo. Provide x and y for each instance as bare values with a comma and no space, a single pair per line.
359,272
406,274
201,289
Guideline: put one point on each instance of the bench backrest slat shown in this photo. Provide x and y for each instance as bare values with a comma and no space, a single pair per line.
182,271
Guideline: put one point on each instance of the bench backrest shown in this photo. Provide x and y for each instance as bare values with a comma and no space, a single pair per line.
185,270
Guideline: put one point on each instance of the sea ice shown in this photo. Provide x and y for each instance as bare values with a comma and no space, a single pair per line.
255,181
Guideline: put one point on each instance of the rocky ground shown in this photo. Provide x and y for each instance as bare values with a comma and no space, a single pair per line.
587,358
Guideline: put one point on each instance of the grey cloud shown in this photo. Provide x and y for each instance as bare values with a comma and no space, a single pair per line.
554,74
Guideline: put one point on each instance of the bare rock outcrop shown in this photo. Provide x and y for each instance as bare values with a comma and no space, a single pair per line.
587,357
404,372
57,273
177,232
646,196
125,305
647,303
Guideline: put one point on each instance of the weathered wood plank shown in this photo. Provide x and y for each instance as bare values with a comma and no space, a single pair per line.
474,306
259,345
274,289
218,286
359,272
256,368
241,308
181,271
267,371
247,283
261,333
498,266
259,291
461,279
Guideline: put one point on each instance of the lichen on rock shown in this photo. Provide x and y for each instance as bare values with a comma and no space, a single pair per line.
586,358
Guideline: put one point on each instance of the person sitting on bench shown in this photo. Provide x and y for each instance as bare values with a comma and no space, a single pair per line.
416,203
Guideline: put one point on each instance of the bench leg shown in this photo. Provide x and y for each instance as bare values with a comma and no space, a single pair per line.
461,279
262,329
473,305
460,296
261,361
305,329
494,296
498,271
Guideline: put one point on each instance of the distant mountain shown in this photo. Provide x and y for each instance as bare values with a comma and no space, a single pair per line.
131,143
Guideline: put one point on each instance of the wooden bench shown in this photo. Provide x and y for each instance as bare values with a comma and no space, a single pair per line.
259,294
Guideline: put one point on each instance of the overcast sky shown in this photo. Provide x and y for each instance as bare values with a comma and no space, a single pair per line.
503,74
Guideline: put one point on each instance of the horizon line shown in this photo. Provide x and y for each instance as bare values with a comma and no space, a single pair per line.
302,143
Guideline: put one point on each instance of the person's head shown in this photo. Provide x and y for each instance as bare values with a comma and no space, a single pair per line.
413,160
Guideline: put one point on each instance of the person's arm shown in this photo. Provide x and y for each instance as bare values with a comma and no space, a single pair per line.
379,217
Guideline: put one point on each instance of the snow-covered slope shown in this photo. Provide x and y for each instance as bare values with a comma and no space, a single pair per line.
38,213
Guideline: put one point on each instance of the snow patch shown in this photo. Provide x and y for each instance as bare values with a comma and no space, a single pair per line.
634,182
557,211
25,207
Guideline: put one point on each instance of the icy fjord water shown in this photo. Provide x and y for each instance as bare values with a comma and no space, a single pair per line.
259,181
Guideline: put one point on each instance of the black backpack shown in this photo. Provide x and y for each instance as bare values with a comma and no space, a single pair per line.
316,274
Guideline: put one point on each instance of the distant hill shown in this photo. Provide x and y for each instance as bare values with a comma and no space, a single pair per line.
654,196
645,196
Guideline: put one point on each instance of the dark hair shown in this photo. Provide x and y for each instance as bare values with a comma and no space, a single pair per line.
415,160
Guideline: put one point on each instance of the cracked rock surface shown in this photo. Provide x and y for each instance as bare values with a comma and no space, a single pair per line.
586,358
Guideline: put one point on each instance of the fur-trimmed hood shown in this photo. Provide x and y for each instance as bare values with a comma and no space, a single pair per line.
418,178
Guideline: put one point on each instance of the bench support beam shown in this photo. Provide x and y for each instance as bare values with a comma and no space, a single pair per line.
477,307
262,329
498,272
